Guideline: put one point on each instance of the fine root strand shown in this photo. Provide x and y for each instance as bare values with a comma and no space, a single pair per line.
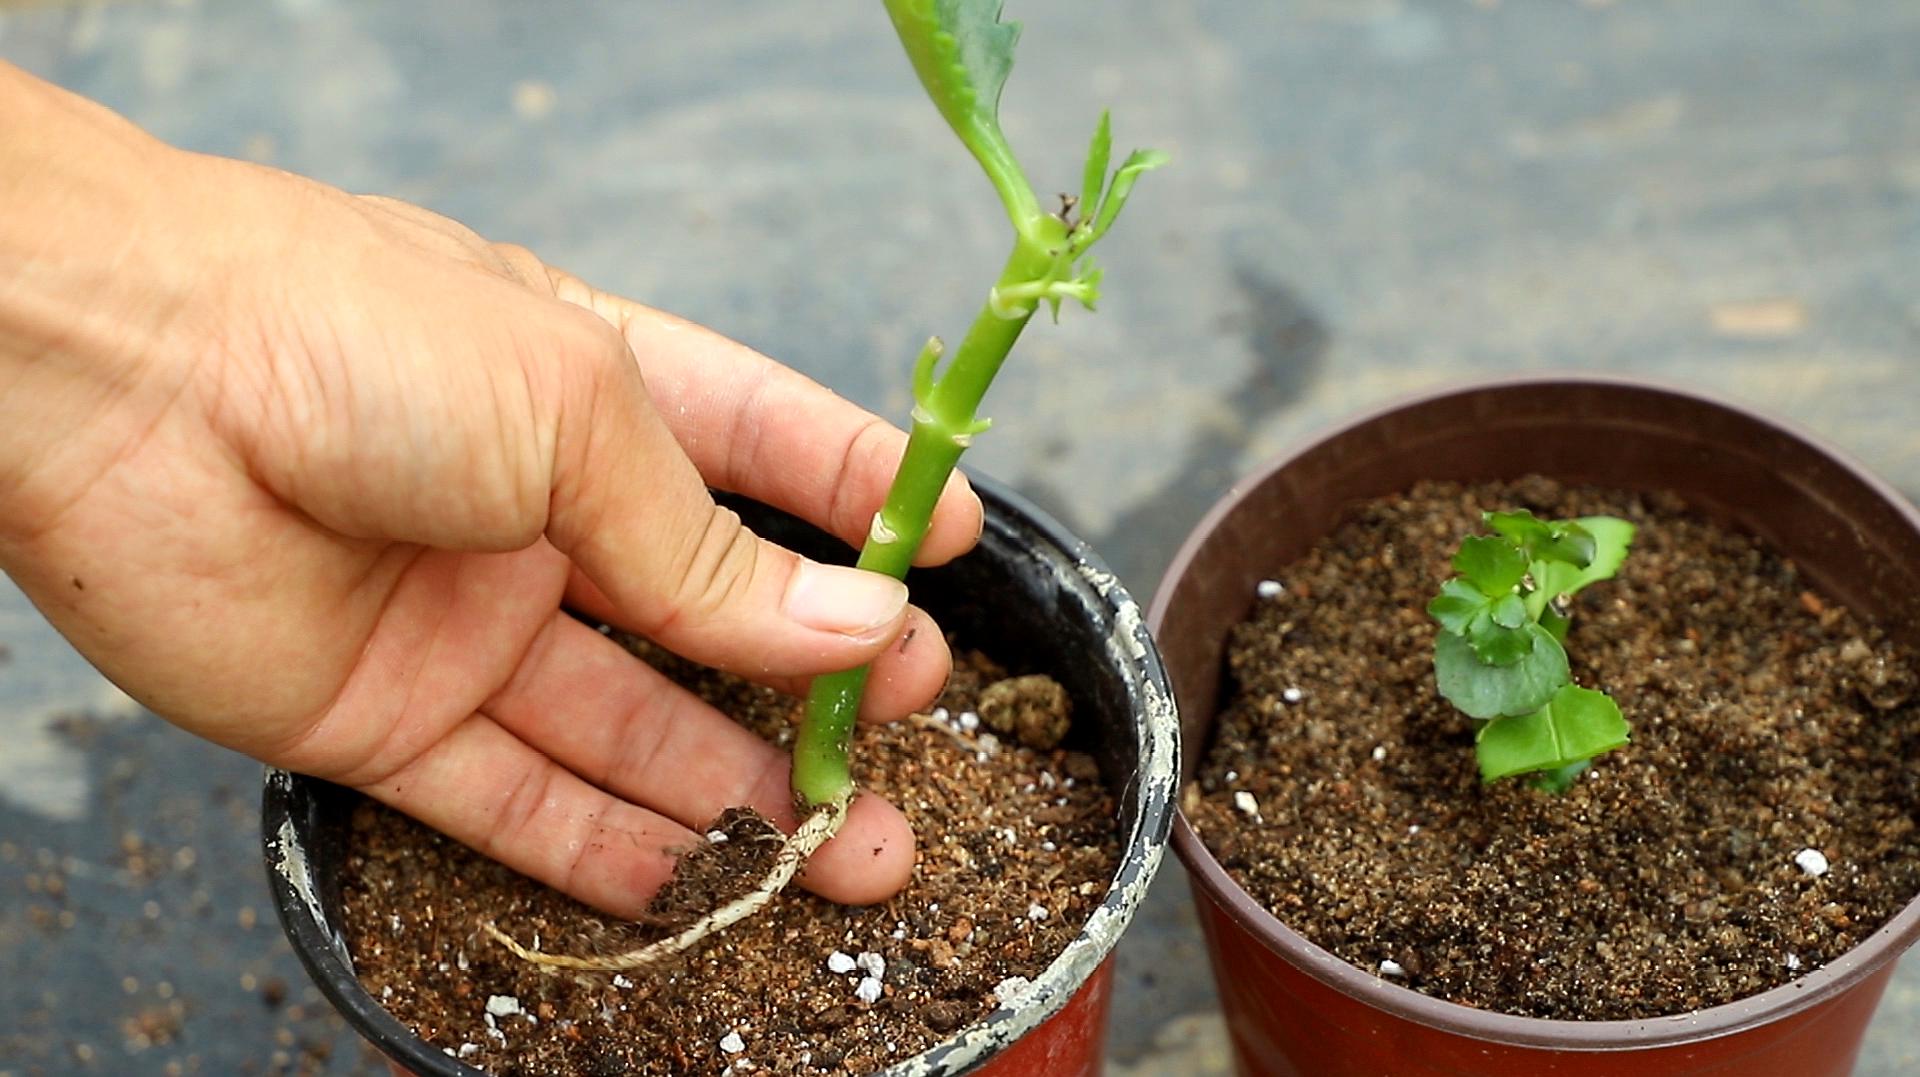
816,831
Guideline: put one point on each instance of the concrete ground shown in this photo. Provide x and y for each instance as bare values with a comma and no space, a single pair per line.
1370,196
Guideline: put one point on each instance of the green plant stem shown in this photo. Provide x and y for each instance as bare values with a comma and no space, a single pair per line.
945,420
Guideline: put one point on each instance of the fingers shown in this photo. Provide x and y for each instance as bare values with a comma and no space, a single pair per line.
629,508
907,675
758,428
487,790
627,729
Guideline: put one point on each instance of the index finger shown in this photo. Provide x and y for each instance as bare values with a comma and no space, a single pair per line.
755,427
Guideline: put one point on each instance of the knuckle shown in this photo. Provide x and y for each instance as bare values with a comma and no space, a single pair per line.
715,568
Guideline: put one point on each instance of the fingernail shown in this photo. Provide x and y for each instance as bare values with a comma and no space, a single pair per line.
849,601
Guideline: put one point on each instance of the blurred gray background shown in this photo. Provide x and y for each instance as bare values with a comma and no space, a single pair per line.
1369,197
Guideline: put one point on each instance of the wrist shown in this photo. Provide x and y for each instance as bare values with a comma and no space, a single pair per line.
88,286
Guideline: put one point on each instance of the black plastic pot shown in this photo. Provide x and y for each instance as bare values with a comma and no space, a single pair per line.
1030,591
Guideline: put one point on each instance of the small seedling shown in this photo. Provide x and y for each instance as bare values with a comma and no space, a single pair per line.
1500,654
962,53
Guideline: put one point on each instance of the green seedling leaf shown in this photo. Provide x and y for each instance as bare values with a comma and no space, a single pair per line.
1487,691
1571,545
1557,541
1095,174
1509,610
1137,162
1497,645
962,53
1493,565
1612,538
1457,605
1523,527
1575,725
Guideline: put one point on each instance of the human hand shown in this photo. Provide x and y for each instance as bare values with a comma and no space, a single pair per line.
313,476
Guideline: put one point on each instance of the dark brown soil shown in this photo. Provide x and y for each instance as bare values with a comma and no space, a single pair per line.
1017,846
1766,721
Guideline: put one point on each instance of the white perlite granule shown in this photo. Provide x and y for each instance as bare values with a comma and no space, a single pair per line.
732,1044
839,963
1811,861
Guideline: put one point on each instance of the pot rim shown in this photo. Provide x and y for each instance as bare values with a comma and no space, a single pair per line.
1830,980
1151,787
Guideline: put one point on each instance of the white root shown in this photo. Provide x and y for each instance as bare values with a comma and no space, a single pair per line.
816,831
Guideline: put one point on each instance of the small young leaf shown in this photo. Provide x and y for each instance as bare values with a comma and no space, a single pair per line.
1130,169
1493,565
1523,527
1488,691
1563,541
1509,610
1456,606
1497,645
1575,725
1612,537
1095,175
1571,544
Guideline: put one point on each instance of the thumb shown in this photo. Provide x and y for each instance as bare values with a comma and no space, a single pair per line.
633,513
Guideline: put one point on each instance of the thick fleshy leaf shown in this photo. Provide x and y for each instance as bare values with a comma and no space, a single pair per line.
1493,565
1575,725
962,53
1485,691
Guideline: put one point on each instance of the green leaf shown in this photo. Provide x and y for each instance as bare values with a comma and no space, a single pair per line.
1509,610
1491,564
1137,162
1482,690
963,53
1612,538
1575,725
1523,527
1497,645
1095,175
1540,540
1571,544
1457,605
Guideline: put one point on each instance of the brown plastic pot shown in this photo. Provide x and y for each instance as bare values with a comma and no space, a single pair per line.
1294,1008
1031,590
